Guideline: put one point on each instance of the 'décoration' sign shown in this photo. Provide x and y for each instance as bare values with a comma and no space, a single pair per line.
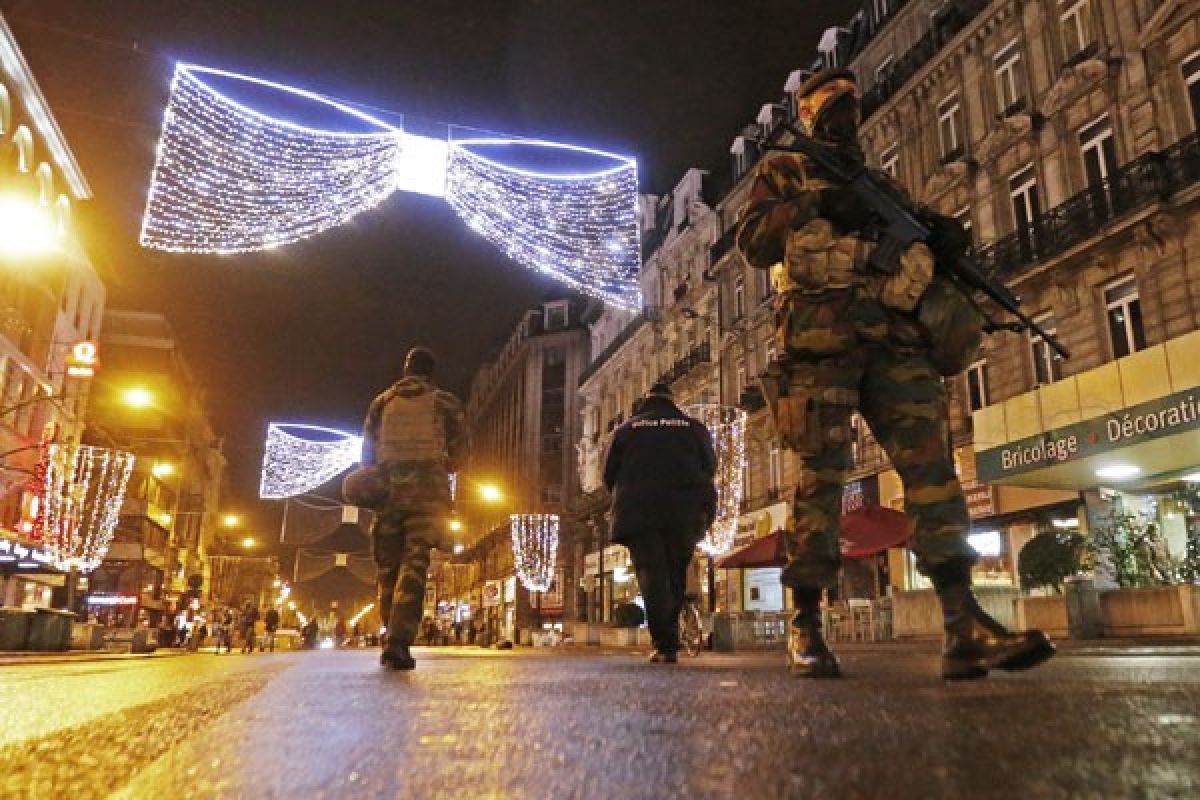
1166,416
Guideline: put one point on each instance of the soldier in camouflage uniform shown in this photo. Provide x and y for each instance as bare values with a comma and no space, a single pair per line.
415,434
853,339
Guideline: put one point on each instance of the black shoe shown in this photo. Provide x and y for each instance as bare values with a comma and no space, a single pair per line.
975,643
664,657
808,655
398,659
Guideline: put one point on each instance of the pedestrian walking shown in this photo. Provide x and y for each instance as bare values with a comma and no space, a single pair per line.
249,618
270,626
414,436
660,469
871,328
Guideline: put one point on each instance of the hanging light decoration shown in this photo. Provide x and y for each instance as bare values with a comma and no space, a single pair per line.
231,179
82,491
298,458
727,424
535,549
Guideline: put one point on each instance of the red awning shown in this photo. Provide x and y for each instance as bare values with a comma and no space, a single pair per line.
871,530
769,551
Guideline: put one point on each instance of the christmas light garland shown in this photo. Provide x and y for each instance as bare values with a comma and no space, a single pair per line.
82,489
727,424
535,549
294,462
230,179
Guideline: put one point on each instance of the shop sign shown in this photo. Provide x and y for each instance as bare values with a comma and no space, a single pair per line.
83,359
615,555
552,598
981,499
756,524
857,495
24,556
491,594
112,600
1166,416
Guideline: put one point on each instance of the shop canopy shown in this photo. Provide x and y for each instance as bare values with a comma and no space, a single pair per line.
865,532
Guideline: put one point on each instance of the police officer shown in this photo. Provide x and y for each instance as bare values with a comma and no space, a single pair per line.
660,469
414,435
855,339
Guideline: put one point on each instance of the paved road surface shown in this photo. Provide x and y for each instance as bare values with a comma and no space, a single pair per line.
476,724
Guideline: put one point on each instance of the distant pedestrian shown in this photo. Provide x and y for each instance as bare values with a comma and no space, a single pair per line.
660,469
249,618
270,626
340,630
414,436
166,630
471,631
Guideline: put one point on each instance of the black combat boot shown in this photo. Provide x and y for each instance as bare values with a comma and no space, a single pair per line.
397,658
808,655
664,657
976,643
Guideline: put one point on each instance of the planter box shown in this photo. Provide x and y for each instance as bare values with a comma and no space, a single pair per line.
1048,614
1156,611
586,633
87,636
917,614
624,637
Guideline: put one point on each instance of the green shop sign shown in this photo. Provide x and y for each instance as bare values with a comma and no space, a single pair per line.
1165,416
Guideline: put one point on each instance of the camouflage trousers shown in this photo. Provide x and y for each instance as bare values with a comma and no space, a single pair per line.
849,353
401,540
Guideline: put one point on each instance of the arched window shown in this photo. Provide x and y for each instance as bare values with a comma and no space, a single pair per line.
45,183
5,110
62,214
23,140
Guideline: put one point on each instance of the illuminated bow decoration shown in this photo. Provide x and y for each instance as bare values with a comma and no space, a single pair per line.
294,464
231,179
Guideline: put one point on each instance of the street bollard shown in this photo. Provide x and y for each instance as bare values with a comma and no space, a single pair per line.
1083,608
722,635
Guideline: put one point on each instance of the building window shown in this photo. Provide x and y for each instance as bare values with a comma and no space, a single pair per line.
739,297
1191,75
555,315
881,9
740,376
765,289
1099,151
1022,189
963,217
949,113
977,388
889,163
1124,311
884,70
1010,94
769,351
774,469
1047,366
1075,22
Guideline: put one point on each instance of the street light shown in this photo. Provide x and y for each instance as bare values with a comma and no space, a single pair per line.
455,524
490,493
162,469
26,228
138,397
231,520
249,542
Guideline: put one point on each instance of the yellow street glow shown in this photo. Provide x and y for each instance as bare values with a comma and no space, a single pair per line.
138,397
490,492
455,524
165,519
26,228
249,541
231,520
162,469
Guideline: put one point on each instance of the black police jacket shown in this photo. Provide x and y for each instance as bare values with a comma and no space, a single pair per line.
660,469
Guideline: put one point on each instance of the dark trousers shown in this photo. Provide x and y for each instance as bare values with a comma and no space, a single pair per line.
401,542
660,561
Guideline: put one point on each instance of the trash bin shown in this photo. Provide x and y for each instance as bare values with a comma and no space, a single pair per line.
50,630
1083,608
14,628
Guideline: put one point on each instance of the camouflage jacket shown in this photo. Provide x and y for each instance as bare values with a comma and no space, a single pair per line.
414,422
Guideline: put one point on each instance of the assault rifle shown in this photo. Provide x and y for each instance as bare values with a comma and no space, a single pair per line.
903,224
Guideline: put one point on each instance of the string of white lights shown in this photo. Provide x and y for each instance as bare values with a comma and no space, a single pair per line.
727,424
581,229
535,549
229,179
81,502
293,464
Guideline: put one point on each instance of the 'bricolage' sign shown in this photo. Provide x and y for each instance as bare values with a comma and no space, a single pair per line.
1166,416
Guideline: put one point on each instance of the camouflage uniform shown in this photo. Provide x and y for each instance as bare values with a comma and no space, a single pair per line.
851,342
415,433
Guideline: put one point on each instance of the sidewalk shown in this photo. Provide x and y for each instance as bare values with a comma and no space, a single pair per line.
15,657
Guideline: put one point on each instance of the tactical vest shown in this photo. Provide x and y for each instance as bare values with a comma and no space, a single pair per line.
410,429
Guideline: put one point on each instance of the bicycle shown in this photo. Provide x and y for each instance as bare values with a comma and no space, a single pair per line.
691,630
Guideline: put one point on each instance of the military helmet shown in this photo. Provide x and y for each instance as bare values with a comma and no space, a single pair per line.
819,92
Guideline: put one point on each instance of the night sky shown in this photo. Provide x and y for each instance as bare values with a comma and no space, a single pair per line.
312,331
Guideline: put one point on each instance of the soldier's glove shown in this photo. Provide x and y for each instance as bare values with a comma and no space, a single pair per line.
847,213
